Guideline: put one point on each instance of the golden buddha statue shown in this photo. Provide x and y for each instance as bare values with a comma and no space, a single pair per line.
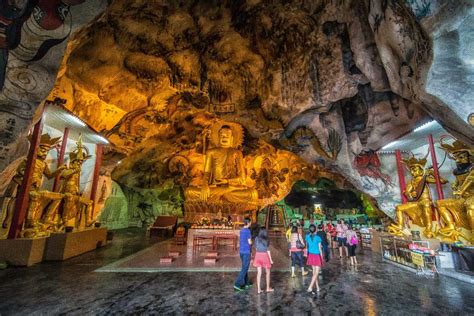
458,212
417,191
224,173
40,198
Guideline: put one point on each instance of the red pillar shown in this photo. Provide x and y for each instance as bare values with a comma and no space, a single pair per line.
401,176
61,158
21,202
439,189
95,178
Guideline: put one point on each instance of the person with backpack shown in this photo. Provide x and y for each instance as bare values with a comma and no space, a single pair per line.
352,241
296,248
313,242
322,234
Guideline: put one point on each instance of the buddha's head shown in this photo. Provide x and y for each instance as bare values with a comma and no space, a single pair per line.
225,136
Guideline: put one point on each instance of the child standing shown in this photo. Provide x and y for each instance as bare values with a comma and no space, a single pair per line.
352,242
313,242
263,259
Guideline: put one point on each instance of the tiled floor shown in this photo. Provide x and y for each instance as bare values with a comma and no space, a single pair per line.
72,287
148,260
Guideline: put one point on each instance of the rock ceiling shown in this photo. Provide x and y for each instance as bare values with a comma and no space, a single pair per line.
324,79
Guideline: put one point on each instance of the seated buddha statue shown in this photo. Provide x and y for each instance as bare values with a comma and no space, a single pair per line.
418,209
224,174
458,211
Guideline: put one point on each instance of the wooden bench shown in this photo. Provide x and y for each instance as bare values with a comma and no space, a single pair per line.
164,225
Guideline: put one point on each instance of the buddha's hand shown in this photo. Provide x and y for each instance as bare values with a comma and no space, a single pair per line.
205,193
222,181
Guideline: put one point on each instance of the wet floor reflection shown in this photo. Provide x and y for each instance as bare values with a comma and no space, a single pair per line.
371,288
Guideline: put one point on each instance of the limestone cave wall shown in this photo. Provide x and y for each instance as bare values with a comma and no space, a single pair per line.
327,80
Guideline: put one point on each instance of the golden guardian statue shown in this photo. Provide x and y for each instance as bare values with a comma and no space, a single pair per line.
419,207
76,206
39,198
458,212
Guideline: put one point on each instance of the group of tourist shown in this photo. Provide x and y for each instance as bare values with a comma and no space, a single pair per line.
315,246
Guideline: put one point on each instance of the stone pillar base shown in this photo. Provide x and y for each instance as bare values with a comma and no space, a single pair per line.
22,251
62,246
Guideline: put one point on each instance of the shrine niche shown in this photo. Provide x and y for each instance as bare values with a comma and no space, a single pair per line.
204,156
51,190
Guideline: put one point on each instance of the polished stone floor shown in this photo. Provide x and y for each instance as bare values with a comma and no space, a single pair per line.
72,287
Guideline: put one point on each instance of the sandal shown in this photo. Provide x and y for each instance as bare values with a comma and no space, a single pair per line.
270,290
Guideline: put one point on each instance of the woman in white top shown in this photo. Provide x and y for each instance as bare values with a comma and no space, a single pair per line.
341,229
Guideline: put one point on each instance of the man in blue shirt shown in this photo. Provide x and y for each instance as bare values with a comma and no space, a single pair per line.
242,281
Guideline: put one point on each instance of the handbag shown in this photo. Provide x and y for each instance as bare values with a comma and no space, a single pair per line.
299,244
354,240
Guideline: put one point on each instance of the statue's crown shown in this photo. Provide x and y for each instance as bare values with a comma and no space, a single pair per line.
412,161
80,153
47,140
455,147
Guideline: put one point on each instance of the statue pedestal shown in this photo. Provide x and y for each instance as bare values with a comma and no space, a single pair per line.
62,246
22,251
194,211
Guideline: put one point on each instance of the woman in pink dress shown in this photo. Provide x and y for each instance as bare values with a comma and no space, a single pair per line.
263,259
313,243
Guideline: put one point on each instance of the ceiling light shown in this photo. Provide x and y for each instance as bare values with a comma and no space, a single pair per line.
102,139
422,127
391,144
76,120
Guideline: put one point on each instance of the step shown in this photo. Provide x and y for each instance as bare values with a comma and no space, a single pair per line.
212,254
174,254
210,260
166,260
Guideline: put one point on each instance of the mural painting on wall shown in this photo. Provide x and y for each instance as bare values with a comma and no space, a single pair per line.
29,28
49,211
367,164
456,214
32,37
